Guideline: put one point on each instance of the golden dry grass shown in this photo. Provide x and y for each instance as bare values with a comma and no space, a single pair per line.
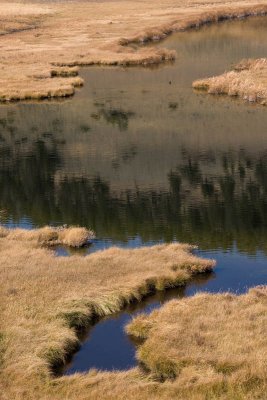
45,299
208,344
248,80
64,71
37,36
49,236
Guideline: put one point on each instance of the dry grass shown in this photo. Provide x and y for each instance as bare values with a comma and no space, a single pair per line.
208,343
248,80
64,72
37,36
49,236
45,299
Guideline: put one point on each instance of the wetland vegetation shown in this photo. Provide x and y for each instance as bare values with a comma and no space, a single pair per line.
215,342
145,163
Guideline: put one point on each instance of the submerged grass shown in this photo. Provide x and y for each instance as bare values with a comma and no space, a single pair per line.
45,300
247,80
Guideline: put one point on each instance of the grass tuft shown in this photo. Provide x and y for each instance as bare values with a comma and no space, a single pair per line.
247,80
65,72
50,236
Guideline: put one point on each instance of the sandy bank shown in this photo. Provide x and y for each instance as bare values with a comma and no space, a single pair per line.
36,37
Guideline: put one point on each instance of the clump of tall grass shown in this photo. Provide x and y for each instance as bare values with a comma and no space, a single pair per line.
247,80
40,89
50,236
64,72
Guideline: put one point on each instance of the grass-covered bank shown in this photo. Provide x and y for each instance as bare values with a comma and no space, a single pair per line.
49,236
38,36
247,80
210,344
45,299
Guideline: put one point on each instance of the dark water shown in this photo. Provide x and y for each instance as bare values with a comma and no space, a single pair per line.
108,347
141,158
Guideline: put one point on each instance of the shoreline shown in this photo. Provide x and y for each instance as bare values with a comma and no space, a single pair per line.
69,294
247,81
47,300
37,79
215,348
58,371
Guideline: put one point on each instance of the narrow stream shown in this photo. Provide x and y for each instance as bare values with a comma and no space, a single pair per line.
141,158
107,346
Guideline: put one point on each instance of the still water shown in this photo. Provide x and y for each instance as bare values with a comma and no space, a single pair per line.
141,158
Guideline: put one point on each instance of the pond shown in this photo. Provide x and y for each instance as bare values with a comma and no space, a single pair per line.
141,158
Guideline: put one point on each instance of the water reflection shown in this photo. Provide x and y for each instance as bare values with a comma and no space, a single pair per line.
140,158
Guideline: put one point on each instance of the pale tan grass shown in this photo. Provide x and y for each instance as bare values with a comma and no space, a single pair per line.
50,236
248,80
64,72
213,341
45,299
37,36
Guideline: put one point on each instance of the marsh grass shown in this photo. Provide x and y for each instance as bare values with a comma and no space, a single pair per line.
50,236
247,80
64,72
228,12
46,301
215,341
56,37
41,88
